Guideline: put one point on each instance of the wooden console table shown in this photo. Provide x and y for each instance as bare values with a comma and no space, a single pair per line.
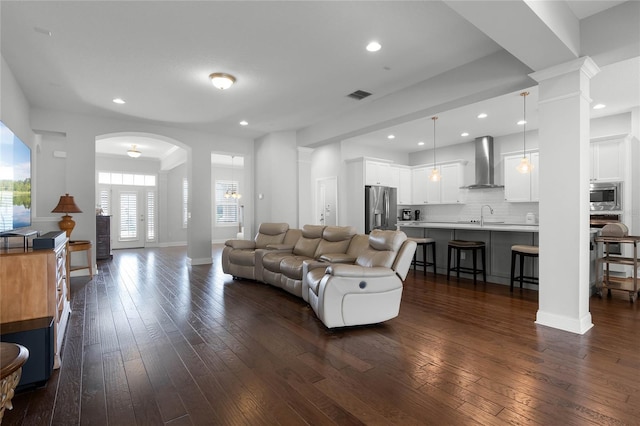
34,284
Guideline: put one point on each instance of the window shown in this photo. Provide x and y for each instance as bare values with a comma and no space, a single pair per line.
107,178
226,208
185,202
151,216
128,216
105,201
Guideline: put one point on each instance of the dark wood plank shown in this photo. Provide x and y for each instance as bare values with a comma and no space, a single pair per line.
152,340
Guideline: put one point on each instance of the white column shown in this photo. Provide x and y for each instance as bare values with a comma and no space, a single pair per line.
563,110
199,232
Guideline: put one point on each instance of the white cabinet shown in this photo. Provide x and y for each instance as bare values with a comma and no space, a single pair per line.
444,191
521,187
452,176
401,179
607,160
419,179
377,173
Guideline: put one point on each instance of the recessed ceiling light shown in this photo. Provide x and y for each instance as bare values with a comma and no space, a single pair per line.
599,106
391,137
119,101
464,134
244,123
374,46
522,122
420,143
43,31
482,115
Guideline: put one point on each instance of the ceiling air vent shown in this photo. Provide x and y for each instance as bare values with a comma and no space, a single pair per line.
358,95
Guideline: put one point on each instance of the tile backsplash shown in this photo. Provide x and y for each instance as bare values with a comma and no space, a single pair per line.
474,199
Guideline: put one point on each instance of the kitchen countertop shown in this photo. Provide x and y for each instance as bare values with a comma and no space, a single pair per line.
488,226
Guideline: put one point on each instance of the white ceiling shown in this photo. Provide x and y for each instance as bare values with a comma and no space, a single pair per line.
295,62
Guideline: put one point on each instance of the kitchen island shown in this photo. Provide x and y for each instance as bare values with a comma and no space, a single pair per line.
498,237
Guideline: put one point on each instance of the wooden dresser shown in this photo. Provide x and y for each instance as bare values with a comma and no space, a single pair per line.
34,284
103,237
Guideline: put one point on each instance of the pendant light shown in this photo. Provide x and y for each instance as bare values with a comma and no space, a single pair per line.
232,192
435,173
525,166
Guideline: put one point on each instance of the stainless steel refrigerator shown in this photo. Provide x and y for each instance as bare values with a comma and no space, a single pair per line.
380,207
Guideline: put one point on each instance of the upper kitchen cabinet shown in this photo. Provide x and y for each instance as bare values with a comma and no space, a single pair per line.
419,179
401,179
607,160
377,173
444,191
521,187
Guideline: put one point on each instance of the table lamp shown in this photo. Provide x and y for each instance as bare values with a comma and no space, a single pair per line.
66,205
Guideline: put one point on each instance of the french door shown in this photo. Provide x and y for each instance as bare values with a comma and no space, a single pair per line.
133,216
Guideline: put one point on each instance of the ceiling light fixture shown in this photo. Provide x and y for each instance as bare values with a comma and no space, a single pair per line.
524,166
391,137
464,134
133,152
374,46
599,106
482,115
522,122
420,143
244,123
435,173
119,101
232,190
222,80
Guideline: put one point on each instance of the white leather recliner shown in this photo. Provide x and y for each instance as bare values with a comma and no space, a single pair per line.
366,292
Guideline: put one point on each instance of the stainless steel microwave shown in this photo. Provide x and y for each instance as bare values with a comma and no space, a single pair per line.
605,196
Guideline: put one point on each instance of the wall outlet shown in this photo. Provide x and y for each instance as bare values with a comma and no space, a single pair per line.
463,255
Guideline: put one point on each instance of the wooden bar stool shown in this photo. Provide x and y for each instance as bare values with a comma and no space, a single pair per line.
521,252
458,246
79,245
424,243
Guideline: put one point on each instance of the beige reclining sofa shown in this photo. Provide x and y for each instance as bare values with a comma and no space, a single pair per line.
322,264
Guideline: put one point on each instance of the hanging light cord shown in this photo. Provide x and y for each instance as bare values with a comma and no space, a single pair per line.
434,141
524,125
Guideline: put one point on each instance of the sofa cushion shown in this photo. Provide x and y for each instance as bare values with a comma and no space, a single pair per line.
271,233
335,239
308,242
291,266
383,247
271,261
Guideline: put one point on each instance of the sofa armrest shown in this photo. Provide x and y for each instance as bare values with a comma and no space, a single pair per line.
280,247
309,265
356,271
240,244
338,258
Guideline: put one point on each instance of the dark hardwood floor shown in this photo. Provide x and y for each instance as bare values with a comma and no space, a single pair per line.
152,341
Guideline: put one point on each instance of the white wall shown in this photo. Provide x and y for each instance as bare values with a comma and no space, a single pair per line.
14,107
78,178
276,179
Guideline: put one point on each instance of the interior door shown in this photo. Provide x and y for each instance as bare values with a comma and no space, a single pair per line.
129,218
326,205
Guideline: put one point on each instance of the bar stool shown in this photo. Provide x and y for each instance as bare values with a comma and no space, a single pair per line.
458,246
424,243
521,252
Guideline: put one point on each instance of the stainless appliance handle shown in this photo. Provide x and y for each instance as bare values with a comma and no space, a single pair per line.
386,207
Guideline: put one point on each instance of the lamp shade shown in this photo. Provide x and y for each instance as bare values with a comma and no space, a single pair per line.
66,205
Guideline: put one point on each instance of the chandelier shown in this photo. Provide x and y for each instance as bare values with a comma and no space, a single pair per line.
525,166
232,191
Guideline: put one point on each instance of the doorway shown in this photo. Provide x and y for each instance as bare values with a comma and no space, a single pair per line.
326,203
133,215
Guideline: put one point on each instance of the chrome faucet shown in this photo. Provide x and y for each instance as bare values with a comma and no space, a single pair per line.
482,215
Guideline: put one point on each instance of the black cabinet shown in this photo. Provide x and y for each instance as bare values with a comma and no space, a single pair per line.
103,237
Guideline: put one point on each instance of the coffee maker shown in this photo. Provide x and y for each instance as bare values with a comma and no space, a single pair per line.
417,215
406,214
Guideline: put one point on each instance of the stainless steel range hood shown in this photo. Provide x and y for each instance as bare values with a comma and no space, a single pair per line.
484,164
